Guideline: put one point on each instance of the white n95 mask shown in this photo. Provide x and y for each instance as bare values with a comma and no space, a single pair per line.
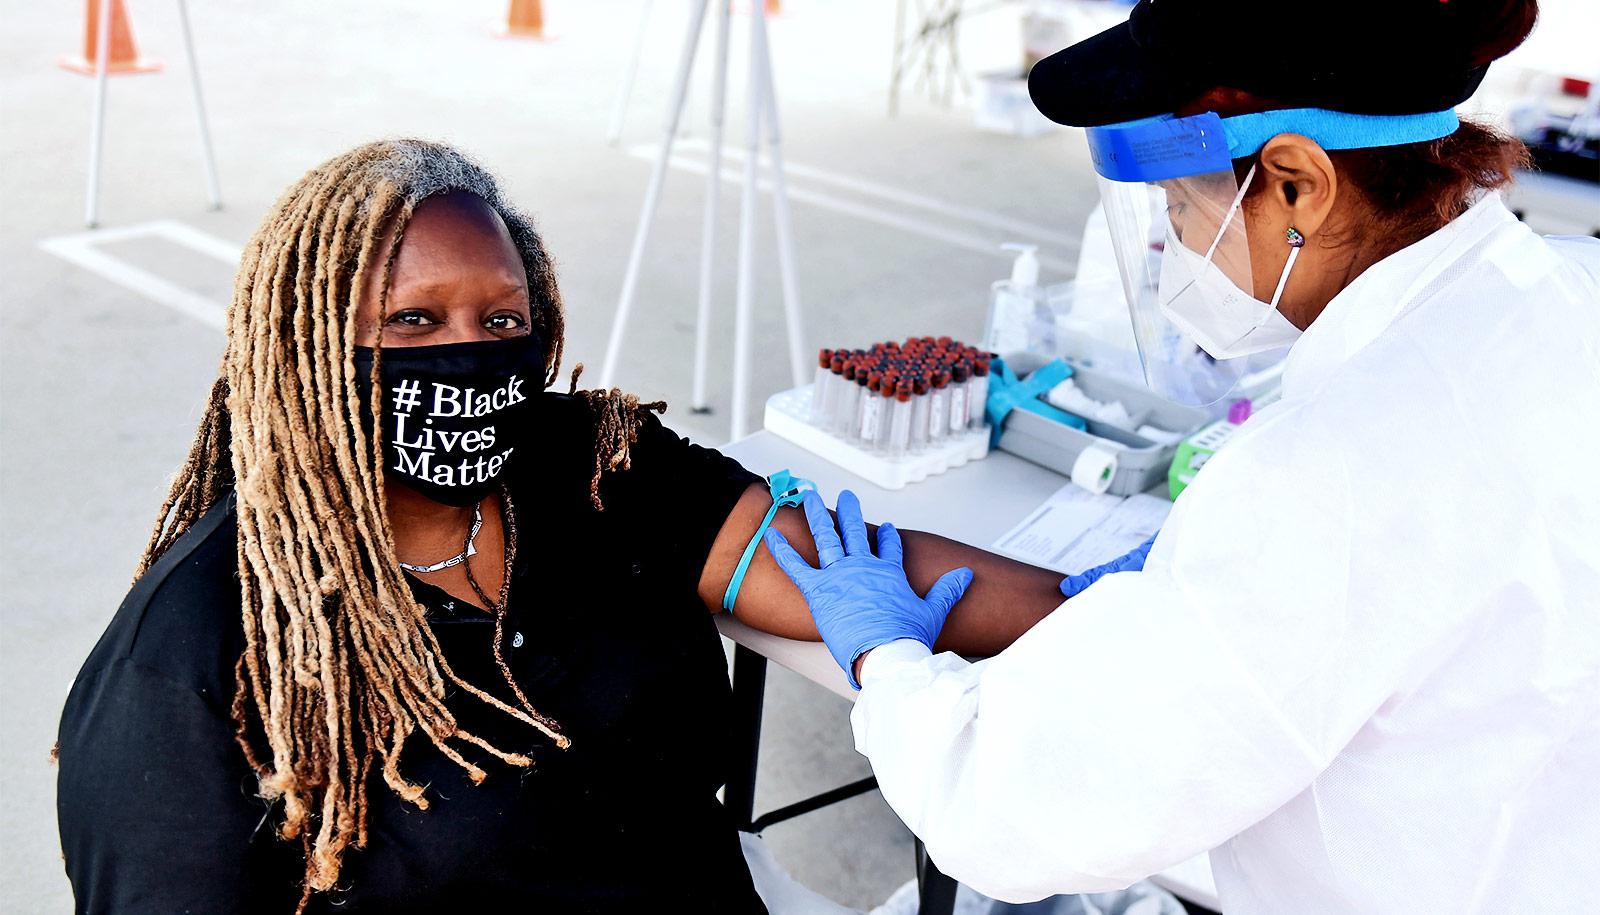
1213,311
1207,306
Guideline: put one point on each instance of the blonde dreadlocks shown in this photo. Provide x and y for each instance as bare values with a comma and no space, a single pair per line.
340,666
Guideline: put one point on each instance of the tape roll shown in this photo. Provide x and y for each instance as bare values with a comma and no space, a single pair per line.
1094,469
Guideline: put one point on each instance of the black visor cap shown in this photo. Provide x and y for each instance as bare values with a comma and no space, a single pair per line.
1359,56
1108,79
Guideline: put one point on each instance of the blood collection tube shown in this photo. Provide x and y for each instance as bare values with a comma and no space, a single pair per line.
919,412
871,416
895,397
978,395
836,387
899,425
939,407
846,403
885,411
959,374
853,433
821,387
852,429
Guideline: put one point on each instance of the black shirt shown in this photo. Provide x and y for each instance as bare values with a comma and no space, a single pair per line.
159,812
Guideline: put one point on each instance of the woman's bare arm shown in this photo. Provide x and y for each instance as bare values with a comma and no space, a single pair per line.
1005,599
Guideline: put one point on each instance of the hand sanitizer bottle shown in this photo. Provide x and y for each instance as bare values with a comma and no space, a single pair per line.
1014,304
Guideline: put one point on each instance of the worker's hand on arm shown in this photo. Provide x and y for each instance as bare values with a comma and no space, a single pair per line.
1131,561
1006,597
860,600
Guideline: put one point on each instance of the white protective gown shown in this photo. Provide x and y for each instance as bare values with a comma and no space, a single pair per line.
1362,664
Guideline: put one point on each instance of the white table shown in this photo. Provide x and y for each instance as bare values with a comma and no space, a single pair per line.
975,504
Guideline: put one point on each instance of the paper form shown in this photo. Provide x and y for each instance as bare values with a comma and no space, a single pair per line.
1075,530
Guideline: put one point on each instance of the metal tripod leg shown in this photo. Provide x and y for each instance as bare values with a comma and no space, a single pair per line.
619,107
708,237
97,124
213,189
780,214
744,290
652,196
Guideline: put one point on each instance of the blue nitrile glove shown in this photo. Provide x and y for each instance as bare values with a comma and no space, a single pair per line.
1131,561
859,600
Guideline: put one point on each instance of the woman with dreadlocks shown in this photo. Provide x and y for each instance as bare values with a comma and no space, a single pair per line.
410,633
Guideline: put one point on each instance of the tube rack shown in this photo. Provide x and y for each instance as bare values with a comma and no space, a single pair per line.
788,416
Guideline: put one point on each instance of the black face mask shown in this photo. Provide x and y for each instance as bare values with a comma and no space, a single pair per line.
453,415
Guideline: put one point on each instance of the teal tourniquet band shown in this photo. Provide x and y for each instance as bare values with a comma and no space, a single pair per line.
786,489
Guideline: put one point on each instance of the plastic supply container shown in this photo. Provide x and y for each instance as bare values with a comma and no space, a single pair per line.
1141,462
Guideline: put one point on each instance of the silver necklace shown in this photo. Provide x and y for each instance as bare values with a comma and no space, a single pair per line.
459,558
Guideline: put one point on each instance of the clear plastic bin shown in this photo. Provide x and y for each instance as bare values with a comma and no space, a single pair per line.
1141,463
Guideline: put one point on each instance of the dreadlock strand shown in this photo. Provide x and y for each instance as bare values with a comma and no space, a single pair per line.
617,418
549,727
398,783
355,762
366,716
250,687
512,759
199,482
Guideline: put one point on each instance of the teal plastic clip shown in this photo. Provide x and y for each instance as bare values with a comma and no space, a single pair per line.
1007,393
786,490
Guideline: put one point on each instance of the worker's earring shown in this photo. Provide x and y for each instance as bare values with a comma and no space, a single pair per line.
1296,242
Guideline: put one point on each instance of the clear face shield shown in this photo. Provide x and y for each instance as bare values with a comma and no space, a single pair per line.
1172,204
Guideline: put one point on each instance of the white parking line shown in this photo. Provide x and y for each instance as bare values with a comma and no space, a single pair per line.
83,249
1017,227
204,242
907,222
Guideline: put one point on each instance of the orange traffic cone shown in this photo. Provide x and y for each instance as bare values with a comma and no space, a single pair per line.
525,19
122,56
746,7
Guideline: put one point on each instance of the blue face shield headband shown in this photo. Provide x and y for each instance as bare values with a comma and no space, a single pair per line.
1166,147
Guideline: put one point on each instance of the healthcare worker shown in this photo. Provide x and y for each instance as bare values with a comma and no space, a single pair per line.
1361,664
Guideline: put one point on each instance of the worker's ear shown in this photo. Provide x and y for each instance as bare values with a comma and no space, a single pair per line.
1300,184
